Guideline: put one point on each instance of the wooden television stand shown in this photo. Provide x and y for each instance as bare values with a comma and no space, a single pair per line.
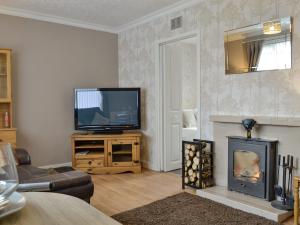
106,153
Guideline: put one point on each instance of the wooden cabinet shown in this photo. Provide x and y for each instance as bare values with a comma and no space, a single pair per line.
123,152
5,73
7,132
106,154
8,135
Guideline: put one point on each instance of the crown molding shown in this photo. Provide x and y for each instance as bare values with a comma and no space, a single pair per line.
93,26
55,19
151,16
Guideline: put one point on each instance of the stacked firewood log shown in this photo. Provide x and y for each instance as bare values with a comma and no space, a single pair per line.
197,164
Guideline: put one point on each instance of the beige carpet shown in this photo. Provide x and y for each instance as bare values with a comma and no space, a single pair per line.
188,209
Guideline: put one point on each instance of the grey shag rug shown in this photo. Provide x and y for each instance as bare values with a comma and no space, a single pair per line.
188,209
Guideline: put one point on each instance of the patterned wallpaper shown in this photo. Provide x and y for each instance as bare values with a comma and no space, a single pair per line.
272,93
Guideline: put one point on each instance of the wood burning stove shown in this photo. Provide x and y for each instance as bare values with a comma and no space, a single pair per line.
252,166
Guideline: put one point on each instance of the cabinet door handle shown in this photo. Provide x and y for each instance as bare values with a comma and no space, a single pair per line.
136,161
1,140
109,153
90,162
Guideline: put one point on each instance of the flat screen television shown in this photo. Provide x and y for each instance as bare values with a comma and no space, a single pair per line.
107,109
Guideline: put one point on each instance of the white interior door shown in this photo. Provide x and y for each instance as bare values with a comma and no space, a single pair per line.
172,106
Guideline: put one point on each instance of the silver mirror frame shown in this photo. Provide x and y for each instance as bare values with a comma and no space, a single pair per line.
237,60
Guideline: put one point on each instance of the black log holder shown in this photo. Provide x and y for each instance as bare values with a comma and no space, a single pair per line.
197,164
284,192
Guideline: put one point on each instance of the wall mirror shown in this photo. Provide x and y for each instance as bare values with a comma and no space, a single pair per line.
260,47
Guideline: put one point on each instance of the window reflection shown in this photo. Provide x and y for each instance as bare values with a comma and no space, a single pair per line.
275,55
90,99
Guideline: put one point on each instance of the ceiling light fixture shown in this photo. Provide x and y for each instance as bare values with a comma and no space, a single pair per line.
273,27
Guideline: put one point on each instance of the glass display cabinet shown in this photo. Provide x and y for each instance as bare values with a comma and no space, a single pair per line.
123,152
5,89
7,132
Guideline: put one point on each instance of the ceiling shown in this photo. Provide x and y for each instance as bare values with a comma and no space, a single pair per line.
109,15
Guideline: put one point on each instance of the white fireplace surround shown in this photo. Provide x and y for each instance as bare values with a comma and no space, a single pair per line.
261,120
284,129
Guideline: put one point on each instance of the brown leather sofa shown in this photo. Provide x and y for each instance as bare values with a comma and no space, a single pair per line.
64,180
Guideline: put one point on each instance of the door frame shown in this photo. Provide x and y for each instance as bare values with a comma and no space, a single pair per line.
160,159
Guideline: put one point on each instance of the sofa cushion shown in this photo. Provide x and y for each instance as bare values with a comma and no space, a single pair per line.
31,174
27,172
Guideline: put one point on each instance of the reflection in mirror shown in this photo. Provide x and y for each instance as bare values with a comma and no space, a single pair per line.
265,46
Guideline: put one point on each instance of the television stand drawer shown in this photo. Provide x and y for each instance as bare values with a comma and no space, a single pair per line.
87,170
89,163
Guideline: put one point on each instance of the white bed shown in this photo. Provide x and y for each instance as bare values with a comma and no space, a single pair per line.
189,129
189,133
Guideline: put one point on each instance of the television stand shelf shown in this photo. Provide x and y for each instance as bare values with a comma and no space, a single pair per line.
106,153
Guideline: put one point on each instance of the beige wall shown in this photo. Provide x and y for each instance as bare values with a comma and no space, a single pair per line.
269,93
49,60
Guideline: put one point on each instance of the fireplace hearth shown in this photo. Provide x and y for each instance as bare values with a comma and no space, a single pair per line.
252,166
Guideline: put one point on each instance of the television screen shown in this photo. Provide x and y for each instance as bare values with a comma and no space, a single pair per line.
107,109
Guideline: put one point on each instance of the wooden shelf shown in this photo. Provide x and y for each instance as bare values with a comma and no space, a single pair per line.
7,135
5,100
122,152
89,146
8,129
90,155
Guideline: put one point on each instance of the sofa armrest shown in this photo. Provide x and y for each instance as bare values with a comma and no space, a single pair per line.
22,156
69,179
42,186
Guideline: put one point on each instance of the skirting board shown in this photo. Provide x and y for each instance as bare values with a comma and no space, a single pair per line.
145,164
56,165
244,202
150,166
